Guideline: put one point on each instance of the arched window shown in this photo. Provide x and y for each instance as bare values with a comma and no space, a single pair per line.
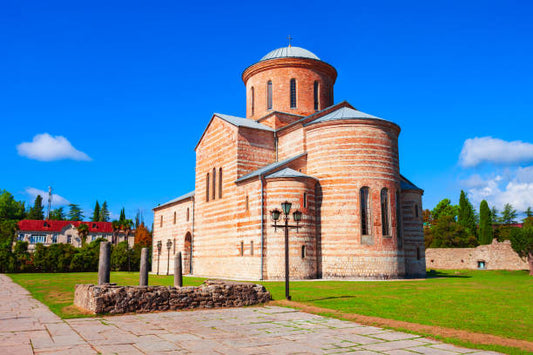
242,248
252,248
365,218
305,200
385,212
220,183
247,203
213,193
269,95
207,188
418,254
315,95
188,214
174,217
161,222
293,93
252,97
398,220
303,251
416,211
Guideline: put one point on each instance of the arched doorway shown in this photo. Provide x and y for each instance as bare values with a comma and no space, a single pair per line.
187,254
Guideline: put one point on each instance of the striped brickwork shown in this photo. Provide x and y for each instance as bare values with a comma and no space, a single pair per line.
413,233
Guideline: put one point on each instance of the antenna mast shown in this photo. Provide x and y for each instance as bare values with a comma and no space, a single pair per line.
49,201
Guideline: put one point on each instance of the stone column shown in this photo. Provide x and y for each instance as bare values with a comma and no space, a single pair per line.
178,280
103,263
143,275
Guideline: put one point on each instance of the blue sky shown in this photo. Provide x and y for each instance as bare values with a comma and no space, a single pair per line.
131,85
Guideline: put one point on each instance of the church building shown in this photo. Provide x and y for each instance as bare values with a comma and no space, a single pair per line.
361,219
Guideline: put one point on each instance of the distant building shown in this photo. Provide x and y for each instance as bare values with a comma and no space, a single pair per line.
51,232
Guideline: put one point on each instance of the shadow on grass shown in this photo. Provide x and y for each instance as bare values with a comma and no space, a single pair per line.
433,274
329,298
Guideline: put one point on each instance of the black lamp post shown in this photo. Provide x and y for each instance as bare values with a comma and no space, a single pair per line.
297,216
169,245
159,246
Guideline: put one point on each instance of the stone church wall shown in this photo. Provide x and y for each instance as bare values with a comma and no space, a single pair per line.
495,256
413,233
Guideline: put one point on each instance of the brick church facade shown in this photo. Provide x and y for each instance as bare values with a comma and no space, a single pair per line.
337,165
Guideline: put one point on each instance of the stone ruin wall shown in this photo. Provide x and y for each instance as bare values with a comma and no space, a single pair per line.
497,256
113,299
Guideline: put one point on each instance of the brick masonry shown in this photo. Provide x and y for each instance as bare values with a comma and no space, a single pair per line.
232,234
495,256
113,299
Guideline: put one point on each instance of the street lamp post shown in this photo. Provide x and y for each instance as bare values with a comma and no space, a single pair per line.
169,245
159,246
297,216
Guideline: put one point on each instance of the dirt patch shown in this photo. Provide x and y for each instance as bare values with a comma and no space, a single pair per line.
474,338
58,297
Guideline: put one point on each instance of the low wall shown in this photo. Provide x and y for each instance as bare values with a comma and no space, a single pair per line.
114,299
495,256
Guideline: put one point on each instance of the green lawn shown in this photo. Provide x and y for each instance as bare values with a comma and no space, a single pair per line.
493,302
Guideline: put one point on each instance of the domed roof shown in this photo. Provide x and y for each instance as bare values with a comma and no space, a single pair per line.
290,51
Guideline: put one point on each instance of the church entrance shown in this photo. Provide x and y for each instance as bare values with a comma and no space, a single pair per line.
187,254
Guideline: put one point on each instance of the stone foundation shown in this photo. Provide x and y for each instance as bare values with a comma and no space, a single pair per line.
115,299
495,256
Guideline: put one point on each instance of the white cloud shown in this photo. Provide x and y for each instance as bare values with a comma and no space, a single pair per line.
493,150
514,187
45,147
56,199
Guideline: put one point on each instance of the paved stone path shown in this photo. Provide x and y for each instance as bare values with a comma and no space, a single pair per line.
29,327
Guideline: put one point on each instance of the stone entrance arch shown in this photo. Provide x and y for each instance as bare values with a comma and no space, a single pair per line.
187,254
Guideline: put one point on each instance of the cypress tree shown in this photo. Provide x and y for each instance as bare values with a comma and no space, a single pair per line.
486,233
122,216
36,212
466,216
104,213
96,212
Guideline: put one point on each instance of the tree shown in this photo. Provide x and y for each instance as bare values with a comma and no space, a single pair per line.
444,208
494,215
522,243
83,231
120,254
104,213
143,236
447,233
509,214
36,212
528,212
9,208
57,214
466,216
96,212
8,229
486,233
122,216
75,213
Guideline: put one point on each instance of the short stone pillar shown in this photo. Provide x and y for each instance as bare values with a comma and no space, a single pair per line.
178,279
104,266
143,275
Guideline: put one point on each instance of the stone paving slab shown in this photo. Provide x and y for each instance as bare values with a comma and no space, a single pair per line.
29,327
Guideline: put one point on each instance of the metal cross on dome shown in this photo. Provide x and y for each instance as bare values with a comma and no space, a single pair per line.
290,39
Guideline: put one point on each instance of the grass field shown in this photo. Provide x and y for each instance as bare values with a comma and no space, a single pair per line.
491,302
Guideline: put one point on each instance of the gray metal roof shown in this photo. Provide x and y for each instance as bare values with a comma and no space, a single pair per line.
345,113
289,173
290,51
243,122
405,184
177,199
269,168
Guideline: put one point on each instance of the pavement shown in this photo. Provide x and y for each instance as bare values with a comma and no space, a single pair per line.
29,327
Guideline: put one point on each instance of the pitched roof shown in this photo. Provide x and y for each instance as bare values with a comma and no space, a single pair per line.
243,122
269,168
289,173
56,226
345,113
405,184
177,199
